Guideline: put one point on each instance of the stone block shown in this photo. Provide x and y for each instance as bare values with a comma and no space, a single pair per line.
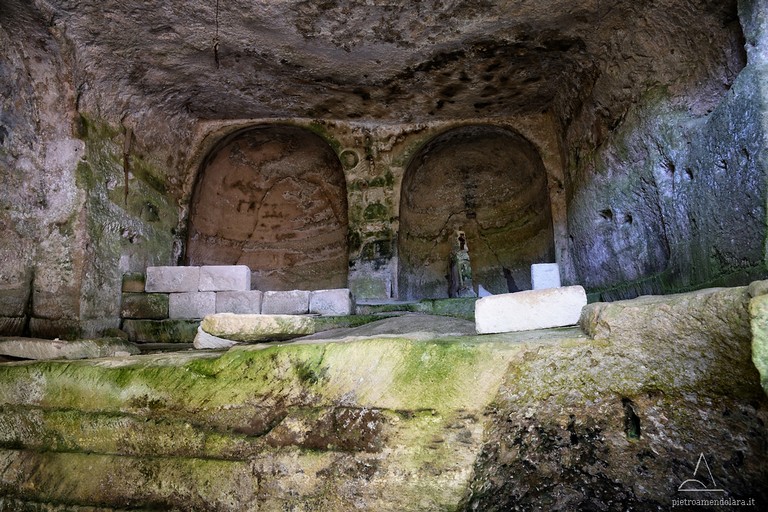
224,278
153,306
758,310
257,327
14,301
12,326
161,331
545,275
248,302
338,302
51,328
529,310
172,279
133,282
295,302
191,305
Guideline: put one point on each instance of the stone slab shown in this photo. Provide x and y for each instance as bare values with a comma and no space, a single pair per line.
529,310
224,278
203,340
152,306
161,331
248,302
253,328
14,302
545,275
337,302
172,279
33,348
294,302
191,305
51,328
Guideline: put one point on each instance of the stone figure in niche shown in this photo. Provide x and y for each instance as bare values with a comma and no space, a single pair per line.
461,270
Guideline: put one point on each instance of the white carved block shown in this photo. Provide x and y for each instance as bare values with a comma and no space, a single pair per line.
295,302
191,305
172,279
545,275
224,278
239,302
337,302
529,310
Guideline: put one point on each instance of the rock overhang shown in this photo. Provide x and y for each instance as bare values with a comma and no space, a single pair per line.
382,61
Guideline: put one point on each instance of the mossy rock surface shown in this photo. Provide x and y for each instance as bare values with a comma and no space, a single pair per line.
399,422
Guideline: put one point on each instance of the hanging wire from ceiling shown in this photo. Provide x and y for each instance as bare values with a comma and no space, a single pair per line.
216,38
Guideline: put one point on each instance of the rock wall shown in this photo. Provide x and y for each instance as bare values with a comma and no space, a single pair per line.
88,181
673,197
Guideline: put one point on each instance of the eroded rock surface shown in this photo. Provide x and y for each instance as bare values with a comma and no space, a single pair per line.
543,419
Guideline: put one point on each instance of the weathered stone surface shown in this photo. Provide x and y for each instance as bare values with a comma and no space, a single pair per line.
32,348
545,275
239,302
203,340
292,231
294,302
191,305
528,310
161,331
509,420
216,278
264,327
133,282
153,306
331,302
10,326
172,279
63,328
758,310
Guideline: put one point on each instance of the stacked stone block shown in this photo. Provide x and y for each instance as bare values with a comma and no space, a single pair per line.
167,303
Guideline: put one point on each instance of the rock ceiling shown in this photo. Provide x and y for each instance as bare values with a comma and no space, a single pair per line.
390,61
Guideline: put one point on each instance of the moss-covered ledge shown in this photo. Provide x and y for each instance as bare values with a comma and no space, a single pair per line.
546,418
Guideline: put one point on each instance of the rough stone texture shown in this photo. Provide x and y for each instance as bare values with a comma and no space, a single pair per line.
214,278
32,348
191,305
528,310
619,422
161,331
239,302
133,282
294,302
545,275
758,309
289,225
489,183
203,340
172,279
12,326
265,327
543,419
152,306
332,302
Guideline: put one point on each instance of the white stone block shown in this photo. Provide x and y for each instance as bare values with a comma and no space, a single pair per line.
545,275
172,279
224,278
252,328
191,305
529,310
338,302
239,302
295,302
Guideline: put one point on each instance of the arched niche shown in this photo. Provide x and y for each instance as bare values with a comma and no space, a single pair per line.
272,197
488,182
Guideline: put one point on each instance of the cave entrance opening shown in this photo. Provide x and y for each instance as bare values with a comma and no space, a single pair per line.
488,182
272,197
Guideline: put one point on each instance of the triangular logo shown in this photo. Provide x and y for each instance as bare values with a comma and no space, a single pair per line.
702,480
